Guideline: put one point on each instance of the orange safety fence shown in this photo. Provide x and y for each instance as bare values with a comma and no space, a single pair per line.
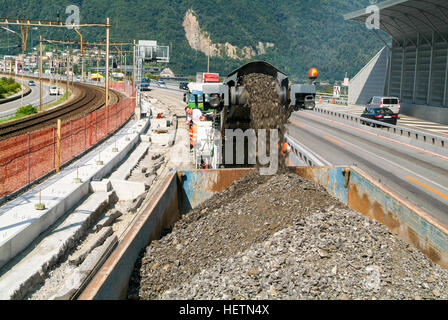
30,156
123,86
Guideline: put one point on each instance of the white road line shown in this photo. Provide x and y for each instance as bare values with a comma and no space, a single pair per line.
435,130
432,127
423,123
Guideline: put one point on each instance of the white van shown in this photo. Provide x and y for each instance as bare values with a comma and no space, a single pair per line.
392,103
54,90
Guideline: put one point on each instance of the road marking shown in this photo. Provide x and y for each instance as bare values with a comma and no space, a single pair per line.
387,160
410,120
432,189
297,124
334,140
378,136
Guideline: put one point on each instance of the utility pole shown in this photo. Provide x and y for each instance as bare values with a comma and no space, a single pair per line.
72,73
68,68
133,68
208,63
40,71
23,70
57,70
107,61
107,74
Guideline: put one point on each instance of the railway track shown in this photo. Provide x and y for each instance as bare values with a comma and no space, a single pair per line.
88,99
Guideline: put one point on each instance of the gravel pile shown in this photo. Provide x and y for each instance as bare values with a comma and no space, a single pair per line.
282,237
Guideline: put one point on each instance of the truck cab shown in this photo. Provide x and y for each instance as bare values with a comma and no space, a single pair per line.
303,96
197,99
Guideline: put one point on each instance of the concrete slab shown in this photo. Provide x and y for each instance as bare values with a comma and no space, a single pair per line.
95,256
160,138
159,123
20,278
100,186
108,219
127,190
95,241
145,138
21,223
124,171
76,279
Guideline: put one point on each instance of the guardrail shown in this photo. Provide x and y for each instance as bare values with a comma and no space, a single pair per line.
343,99
301,155
422,139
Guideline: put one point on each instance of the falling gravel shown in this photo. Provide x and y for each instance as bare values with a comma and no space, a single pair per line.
267,111
282,237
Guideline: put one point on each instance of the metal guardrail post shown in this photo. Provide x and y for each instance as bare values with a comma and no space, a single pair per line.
58,145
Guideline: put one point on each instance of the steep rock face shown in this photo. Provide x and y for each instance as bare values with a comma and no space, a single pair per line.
200,40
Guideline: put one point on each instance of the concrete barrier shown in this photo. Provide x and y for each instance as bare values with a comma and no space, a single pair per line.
22,223
111,281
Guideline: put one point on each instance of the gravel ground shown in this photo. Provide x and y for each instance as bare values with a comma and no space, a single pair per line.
282,237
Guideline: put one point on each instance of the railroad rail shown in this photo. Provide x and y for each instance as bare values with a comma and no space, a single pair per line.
88,99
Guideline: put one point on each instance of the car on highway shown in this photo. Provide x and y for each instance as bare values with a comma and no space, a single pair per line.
54,90
183,85
31,83
144,86
161,84
393,103
385,115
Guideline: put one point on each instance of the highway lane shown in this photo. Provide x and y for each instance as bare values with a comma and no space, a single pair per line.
419,176
403,120
9,109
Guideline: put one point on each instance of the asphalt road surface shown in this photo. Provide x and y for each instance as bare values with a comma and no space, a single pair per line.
418,175
9,109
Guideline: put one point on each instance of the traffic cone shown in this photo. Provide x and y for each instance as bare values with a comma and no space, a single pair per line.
320,99
333,101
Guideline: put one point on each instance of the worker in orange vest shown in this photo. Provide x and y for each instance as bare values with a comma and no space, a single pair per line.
286,148
193,117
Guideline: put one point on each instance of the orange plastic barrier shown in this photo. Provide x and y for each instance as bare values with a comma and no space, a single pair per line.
28,157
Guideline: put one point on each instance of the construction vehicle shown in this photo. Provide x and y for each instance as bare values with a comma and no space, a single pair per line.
227,103
205,77
303,96
197,99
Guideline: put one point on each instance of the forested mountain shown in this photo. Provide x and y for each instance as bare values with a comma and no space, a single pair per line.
295,34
